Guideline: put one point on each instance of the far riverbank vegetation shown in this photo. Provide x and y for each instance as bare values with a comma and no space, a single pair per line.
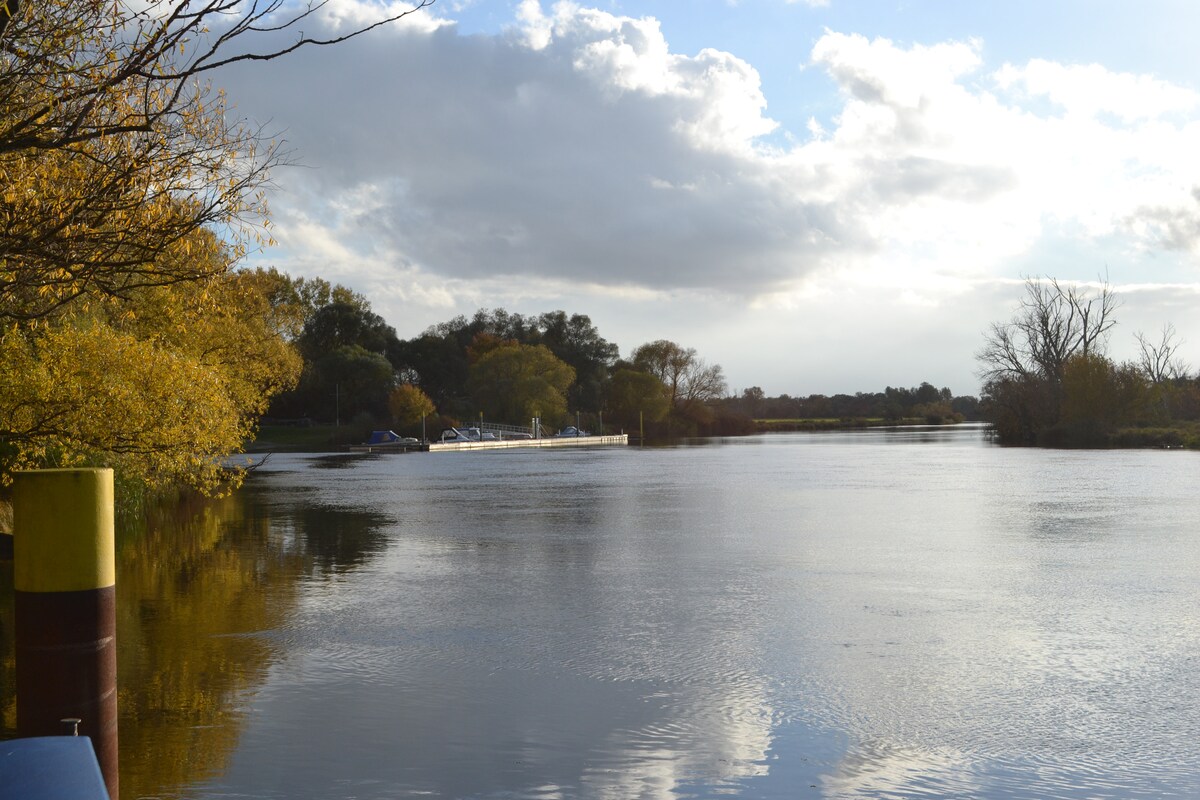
358,376
1048,379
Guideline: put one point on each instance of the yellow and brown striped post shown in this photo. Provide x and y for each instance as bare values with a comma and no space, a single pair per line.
65,579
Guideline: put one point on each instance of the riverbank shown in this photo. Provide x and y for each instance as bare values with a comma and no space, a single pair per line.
324,438
303,439
334,439
1182,436
842,424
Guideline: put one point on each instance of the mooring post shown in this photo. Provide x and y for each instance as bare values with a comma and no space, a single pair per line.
64,570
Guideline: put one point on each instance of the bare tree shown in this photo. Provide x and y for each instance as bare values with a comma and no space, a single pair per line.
1053,323
703,382
1159,361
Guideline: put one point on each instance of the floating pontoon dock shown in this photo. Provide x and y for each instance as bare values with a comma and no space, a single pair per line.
549,441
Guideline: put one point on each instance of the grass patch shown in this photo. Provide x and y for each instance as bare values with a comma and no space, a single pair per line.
301,439
1184,435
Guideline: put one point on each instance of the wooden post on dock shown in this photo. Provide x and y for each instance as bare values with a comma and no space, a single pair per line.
64,567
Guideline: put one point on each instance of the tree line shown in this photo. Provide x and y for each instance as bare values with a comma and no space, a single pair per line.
512,367
505,366
924,403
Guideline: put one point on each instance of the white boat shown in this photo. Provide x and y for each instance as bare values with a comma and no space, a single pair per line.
466,435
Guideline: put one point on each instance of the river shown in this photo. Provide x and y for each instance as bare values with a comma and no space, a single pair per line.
907,613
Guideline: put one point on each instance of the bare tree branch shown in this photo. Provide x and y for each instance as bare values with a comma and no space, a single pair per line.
1159,361
169,45
1053,323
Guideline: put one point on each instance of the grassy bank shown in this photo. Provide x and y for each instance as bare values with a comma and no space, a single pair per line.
302,439
1184,435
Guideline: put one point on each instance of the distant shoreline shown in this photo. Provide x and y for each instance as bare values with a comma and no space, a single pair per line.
845,424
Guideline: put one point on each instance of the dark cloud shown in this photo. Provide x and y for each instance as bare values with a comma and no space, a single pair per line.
484,157
1171,227
900,179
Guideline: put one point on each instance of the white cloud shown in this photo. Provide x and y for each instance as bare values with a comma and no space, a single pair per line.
536,26
578,155
343,16
1090,90
946,174
879,72
581,145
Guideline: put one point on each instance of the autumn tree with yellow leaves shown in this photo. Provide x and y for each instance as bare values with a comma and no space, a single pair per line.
126,334
161,385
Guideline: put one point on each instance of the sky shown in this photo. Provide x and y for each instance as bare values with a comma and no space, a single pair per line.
821,197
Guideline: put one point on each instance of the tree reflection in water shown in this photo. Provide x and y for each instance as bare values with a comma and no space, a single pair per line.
200,585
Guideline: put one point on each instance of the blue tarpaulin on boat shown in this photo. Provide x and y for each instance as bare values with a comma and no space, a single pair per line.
50,768
383,437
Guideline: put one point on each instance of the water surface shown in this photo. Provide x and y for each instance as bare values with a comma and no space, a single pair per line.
881,614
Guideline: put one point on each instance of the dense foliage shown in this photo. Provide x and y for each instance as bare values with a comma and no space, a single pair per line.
509,367
442,358
516,382
162,383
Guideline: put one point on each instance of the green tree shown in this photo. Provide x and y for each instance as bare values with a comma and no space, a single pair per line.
299,299
635,397
347,381
1019,408
518,382
577,342
439,365
1098,397
342,324
438,360
752,400
337,339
